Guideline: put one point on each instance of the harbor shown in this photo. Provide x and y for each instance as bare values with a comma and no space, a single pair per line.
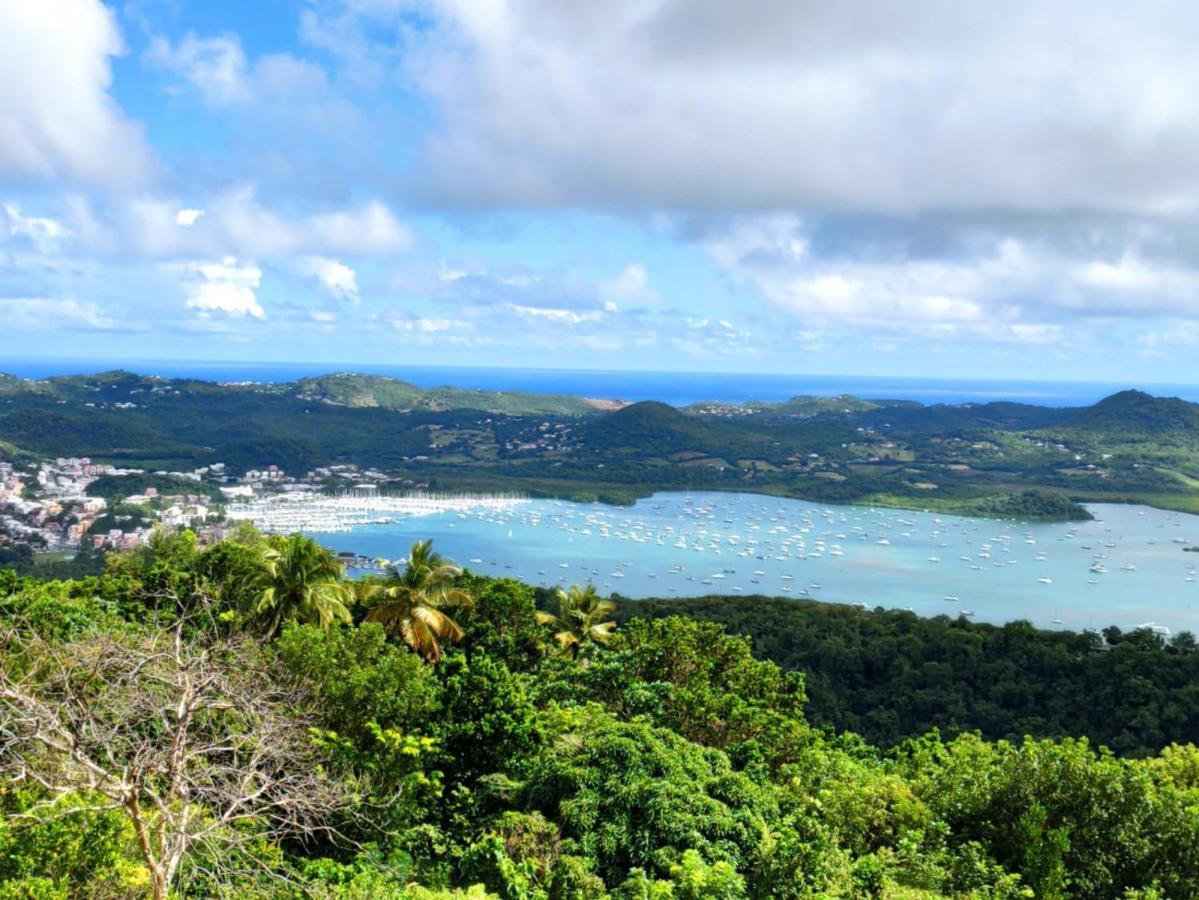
349,510
1127,567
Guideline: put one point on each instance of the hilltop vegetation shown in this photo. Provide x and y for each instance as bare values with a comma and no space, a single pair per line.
323,758
1001,459
391,393
890,675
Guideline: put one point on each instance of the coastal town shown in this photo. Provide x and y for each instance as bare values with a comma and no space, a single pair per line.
69,504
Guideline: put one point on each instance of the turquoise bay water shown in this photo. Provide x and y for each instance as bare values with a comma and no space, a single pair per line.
683,545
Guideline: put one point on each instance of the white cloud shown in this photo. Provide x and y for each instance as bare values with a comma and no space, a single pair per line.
42,232
57,120
234,222
215,66
567,316
368,230
631,286
225,287
778,104
1179,334
1037,333
37,313
1136,285
335,277
705,336
296,130
430,330
1008,290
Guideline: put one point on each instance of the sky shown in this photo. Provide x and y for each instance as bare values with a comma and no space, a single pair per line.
872,187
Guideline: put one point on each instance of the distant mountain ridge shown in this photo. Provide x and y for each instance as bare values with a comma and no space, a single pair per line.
345,388
392,393
1012,460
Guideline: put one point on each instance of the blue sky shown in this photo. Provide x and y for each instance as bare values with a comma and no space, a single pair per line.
926,188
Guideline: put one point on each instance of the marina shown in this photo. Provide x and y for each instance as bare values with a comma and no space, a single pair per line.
1127,567
337,513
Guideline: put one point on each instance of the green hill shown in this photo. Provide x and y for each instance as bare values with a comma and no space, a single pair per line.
1140,414
652,428
955,458
391,393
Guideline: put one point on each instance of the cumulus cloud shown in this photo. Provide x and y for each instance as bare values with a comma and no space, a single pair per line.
1007,290
214,66
367,230
234,222
777,104
428,331
41,231
705,336
335,277
38,313
550,314
57,119
227,287
1179,334
631,286
297,129
425,325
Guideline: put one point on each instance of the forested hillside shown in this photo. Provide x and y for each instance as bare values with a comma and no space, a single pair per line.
242,720
1008,460
890,675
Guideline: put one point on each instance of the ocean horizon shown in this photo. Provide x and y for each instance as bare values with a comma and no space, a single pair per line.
674,388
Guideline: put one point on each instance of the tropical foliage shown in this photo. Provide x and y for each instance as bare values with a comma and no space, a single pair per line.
301,582
664,760
890,675
415,597
582,616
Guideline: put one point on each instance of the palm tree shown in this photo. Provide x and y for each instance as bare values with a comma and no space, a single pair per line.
582,616
415,597
302,582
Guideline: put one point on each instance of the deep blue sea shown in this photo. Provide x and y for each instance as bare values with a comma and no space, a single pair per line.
677,388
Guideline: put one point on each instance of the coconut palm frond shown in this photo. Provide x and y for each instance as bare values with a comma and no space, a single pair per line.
415,596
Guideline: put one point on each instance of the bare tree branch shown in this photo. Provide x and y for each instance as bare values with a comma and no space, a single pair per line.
200,741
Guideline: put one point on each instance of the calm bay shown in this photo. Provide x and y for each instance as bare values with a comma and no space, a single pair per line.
1128,567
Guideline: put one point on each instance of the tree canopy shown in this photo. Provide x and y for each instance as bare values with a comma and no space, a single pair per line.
159,736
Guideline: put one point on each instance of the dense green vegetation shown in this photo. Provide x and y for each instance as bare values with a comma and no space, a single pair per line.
890,675
390,393
230,721
1001,459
